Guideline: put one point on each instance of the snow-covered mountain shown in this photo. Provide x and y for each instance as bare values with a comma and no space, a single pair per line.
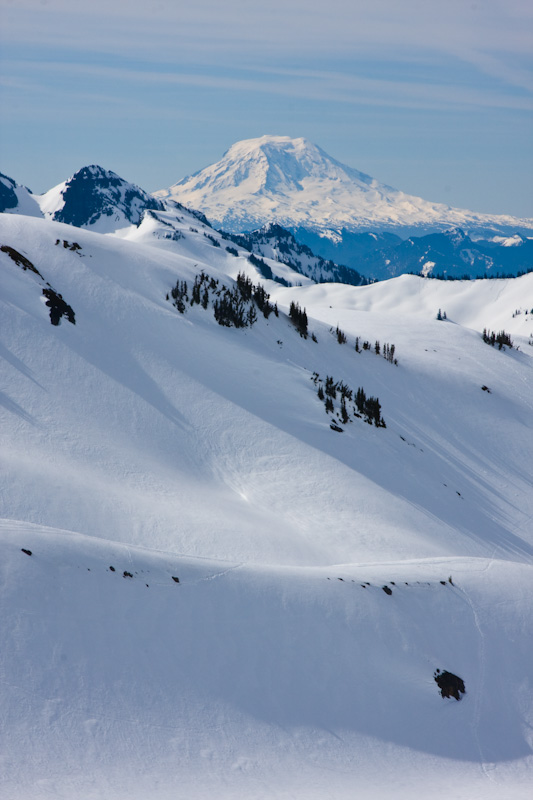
274,242
294,183
215,584
97,198
102,201
93,197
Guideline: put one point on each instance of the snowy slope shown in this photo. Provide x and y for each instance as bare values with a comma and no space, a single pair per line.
168,446
258,682
294,183
236,410
183,231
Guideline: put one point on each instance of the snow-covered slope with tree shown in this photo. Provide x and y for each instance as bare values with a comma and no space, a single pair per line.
203,611
294,183
274,242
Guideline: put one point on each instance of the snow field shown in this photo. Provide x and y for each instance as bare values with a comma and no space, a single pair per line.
165,445
269,681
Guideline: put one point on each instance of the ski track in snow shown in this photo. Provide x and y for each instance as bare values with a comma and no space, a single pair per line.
481,685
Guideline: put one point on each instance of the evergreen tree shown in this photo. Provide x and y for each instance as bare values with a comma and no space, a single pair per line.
299,318
360,400
341,336
331,387
344,414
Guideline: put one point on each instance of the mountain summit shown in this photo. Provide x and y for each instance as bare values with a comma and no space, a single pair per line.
97,198
296,184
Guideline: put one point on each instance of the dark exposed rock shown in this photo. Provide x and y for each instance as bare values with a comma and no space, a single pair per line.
127,574
387,589
176,580
28,552
450,685
8,196
69,245
58,307
19,259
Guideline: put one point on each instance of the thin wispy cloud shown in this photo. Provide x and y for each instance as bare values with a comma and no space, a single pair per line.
312,84
162,28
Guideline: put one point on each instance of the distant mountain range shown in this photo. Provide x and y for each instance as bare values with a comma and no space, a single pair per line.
288,201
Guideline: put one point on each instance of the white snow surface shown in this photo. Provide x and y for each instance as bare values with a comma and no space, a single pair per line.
165,445
294,183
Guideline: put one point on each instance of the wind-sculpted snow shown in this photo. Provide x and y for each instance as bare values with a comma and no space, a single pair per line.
168,446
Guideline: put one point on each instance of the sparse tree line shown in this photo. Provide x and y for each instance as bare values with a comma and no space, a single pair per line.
345,404
386,350
497,276
212,239
265,271
502,338
234,307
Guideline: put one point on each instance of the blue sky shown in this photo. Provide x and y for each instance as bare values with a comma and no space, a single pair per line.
433,98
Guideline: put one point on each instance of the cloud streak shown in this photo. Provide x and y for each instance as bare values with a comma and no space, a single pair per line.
320,85
489,43
242,28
